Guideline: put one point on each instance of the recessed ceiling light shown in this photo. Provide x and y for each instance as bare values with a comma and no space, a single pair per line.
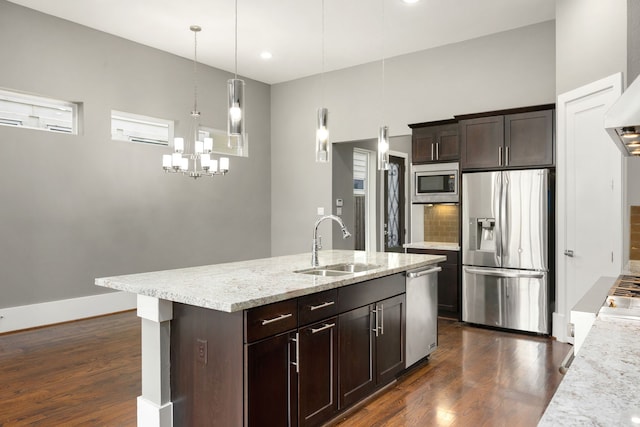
410,1
266,55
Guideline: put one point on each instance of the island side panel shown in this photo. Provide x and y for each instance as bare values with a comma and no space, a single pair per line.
206,366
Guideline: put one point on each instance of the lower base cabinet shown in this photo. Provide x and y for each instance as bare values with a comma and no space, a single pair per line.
317,379
371,348
297,362
272,381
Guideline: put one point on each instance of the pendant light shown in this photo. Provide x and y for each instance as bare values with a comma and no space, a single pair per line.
322,131
193,156
383,132
235,87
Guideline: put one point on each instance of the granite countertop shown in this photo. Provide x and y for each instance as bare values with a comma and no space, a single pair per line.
446,246
241,285
602,385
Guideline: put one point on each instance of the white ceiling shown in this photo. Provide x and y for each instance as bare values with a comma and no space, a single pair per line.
292,29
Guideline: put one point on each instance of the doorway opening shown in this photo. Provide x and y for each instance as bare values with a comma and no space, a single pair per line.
364,194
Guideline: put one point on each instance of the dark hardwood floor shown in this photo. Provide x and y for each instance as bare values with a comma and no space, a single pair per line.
81,373
88,373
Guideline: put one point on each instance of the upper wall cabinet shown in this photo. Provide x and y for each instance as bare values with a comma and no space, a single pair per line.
435,142
507,139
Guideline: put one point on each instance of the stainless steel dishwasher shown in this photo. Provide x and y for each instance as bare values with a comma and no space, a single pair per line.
422,313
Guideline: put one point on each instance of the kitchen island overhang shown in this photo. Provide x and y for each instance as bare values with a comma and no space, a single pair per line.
228,290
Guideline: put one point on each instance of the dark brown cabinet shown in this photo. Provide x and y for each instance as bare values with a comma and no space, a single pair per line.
371,348
508,139
529,139
449,284
272,381
481,142
317,366
435,142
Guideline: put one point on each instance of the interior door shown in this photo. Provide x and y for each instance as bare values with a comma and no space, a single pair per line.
589,196
394,205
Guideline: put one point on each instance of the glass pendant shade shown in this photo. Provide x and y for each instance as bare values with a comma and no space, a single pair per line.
235,125
383,148
322,136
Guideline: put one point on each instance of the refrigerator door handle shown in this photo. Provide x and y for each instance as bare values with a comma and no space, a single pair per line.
504,217
497,197
504,273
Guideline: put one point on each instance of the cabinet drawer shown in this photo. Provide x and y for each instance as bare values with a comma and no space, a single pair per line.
318,306
363,293
267,320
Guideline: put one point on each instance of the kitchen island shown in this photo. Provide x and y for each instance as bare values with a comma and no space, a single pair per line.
260,341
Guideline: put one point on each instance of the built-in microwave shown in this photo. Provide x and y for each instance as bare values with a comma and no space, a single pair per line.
435,183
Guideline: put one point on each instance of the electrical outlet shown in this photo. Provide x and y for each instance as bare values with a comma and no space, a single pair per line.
201,351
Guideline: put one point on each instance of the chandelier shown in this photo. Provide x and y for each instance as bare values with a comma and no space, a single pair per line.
192,157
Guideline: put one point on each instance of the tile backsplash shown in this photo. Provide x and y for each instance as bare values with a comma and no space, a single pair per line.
634,230
441,223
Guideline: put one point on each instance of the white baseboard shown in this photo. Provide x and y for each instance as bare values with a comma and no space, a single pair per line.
559,323
48,313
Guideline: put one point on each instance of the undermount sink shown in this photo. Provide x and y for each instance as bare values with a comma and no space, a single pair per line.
339,269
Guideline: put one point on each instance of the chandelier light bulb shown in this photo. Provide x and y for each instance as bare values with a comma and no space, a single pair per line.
178,144
224,164
166,161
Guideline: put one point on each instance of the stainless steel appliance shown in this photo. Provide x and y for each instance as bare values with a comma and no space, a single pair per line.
624,298
505,249
435,183
422,314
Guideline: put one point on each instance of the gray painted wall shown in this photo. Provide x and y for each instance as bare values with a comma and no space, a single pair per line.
504,70
633,40
78,207
591,41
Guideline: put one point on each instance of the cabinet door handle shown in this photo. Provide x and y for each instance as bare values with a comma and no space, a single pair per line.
500,156
381,319
432,152
275,319
375,311
506,155
323,305
322,328
297,362
437,151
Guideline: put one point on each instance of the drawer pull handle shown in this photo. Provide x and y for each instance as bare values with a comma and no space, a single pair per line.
325,327
275,319
323,305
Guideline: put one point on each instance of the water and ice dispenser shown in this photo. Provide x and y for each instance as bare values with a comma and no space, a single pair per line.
482,236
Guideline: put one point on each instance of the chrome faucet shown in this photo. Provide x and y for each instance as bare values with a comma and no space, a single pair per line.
317,240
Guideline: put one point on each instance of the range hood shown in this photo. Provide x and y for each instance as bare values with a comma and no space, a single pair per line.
622,121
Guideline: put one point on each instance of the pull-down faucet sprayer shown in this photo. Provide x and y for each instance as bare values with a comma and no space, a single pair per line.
317,240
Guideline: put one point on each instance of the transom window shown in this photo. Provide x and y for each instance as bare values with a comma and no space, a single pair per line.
36,112
139,128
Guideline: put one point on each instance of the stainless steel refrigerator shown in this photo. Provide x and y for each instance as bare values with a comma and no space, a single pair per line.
505,249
